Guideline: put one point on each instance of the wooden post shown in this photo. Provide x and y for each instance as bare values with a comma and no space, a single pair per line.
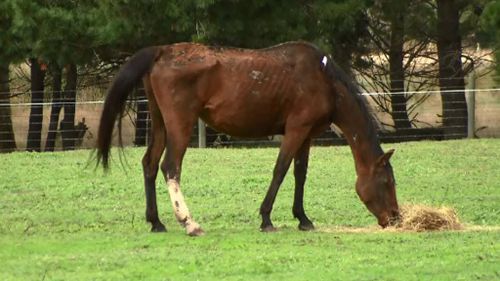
202,134
471,105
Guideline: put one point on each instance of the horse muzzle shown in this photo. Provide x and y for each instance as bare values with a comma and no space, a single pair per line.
393,220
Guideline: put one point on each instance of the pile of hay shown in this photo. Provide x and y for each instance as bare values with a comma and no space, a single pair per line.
423,218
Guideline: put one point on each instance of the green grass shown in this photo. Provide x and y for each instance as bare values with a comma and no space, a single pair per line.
60,220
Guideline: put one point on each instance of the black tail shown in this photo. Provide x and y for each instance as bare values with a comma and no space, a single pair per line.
127,78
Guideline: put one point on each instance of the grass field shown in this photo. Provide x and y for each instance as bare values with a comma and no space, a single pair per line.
61,220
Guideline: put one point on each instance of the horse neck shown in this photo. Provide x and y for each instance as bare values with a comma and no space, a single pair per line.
357,126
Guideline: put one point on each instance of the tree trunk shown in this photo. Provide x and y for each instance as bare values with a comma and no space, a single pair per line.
397,74
451,76
55,110
36,113
68,132
7,139
141,123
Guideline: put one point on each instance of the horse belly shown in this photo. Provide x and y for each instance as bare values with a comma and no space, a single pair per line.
245,114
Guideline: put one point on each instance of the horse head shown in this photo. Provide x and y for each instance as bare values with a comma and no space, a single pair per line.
377,189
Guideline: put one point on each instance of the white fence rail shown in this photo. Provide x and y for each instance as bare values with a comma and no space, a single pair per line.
427,121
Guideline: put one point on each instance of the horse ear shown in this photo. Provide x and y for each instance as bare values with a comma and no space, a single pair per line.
384,159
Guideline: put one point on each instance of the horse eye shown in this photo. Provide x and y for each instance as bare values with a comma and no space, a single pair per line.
383,180
391,181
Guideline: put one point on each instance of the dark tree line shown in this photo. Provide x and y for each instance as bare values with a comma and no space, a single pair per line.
62,39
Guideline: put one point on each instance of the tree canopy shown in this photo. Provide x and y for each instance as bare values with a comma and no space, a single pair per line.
75,31
385,41
490,32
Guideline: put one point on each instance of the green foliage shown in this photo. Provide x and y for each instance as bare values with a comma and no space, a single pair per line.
254,23
341,22
417,17
129,25
73,31
341,28
13,32
54,31
63,33
6,34
62,220
490,23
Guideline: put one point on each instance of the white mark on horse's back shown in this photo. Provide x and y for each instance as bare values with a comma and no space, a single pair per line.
324,61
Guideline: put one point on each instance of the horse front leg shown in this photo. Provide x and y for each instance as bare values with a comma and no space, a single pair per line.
292,141
300,171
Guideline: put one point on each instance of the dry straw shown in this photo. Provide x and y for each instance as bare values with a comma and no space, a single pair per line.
424,218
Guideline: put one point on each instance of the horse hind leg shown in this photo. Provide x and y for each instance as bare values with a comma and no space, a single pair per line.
178,135
150,164
300,170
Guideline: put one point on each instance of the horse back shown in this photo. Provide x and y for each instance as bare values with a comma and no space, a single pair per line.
246,92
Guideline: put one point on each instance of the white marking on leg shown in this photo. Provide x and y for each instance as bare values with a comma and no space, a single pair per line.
181,210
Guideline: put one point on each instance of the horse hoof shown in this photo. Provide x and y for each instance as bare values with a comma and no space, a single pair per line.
193,229
306,227
268,228
196,232
158,228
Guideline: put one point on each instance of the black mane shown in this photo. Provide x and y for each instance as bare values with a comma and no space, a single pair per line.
335,73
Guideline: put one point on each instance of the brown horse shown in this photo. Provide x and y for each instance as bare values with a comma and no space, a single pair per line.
292,89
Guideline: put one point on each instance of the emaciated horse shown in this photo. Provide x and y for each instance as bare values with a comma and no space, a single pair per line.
292,89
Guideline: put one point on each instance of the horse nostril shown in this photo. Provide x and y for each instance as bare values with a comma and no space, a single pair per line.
395,214
395,218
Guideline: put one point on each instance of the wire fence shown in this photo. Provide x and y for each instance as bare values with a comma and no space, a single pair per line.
428,121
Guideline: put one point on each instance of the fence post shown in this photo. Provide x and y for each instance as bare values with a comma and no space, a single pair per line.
202,134
471,105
